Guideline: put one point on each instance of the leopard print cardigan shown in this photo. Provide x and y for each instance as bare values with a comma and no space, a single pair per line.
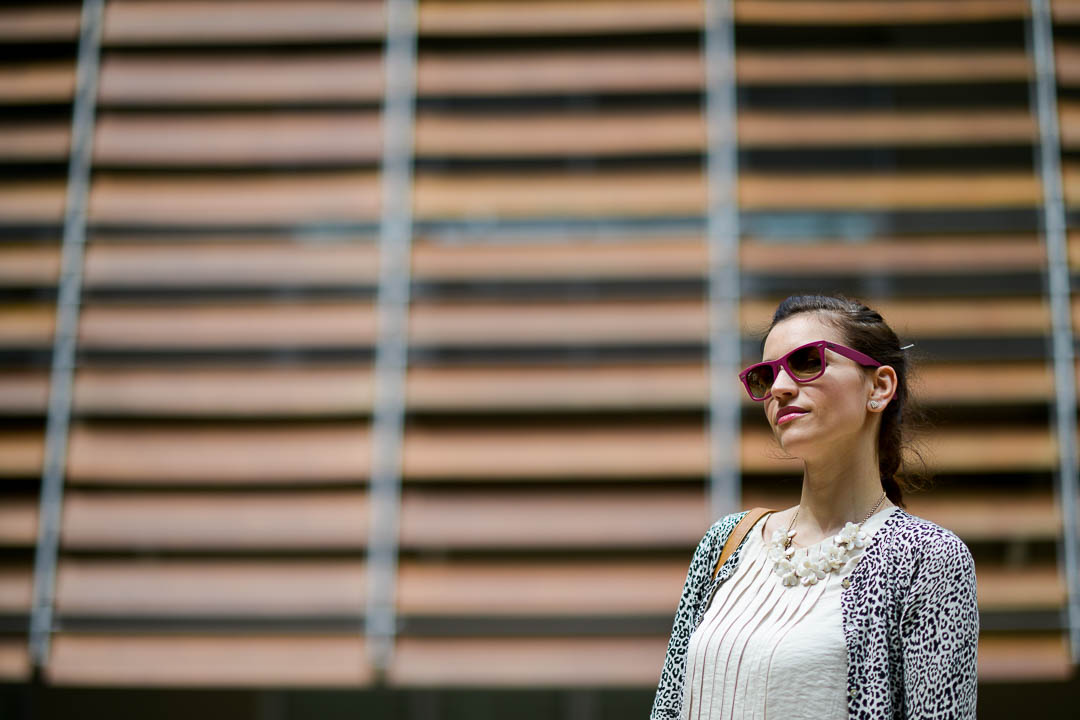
911,623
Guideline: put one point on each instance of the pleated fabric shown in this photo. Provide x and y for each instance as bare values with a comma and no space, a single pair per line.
764,650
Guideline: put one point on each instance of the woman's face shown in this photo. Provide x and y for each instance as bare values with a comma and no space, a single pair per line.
834,405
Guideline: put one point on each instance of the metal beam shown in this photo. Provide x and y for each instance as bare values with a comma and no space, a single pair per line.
392,309
1041,47
65,333
722,231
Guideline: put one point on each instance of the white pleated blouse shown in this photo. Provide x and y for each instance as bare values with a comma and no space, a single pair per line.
766,650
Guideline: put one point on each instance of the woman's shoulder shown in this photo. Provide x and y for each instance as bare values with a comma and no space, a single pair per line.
719,531
920,539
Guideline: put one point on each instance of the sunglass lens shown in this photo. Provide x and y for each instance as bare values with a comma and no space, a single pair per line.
760,379
805,363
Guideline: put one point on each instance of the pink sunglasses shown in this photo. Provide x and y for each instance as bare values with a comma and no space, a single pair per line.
803,364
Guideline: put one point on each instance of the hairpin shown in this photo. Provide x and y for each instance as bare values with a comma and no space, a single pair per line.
908,346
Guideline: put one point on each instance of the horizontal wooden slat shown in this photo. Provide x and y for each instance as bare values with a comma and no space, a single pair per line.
627,387
354,197
338,324
936,318
29,264
527,72
1071,178
907,128
227,326
258,392
180,263
311,587
276,587
684,131
901,191
596,322
681,193
150,80
215,521
16,587
923,256
177,660
24,391
39,24
227,455
291,660
649,452
339,454
37,82
1069,119
321,520
471,324
242,139
985,384
228,392
262,200
437,17
1024,658
133,79
237,139
14,658
37,142
540,134
1067,62
525,324
559,194
628,588
1035,587
22,453
528,662
241,21
589,661
673,70
347,390
1001,514
869,12
185,264
1066,11
32,201
18,522
517,518
539,588
995,449
469,18
846,67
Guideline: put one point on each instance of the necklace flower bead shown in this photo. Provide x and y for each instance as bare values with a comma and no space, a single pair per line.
810,565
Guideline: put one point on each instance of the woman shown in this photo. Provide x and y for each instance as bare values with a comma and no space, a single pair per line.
844,605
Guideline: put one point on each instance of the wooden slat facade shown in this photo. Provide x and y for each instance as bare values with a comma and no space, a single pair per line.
555,453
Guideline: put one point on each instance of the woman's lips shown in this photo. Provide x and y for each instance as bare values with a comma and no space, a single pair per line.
790,416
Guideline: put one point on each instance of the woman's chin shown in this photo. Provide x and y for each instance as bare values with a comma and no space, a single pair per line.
794,443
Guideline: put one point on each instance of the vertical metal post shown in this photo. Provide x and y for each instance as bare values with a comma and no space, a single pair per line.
1041,47
388,416
66,332
722,229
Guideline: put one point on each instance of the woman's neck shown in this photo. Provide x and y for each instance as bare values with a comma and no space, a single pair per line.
835,493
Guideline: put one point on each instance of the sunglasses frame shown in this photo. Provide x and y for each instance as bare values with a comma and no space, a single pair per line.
782,362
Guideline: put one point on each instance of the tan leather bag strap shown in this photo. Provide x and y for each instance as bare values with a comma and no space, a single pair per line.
736,537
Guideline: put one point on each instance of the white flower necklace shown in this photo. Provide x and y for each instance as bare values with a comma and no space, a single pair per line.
808,565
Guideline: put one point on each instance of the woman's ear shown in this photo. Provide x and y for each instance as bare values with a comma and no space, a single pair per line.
882,389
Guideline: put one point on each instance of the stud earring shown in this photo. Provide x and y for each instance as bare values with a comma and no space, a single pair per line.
873,404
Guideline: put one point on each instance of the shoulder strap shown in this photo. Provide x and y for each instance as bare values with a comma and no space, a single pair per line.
736,537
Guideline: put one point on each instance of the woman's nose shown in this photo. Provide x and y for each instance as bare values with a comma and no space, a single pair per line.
783,384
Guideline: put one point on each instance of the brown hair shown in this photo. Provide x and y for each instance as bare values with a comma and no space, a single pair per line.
866,331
